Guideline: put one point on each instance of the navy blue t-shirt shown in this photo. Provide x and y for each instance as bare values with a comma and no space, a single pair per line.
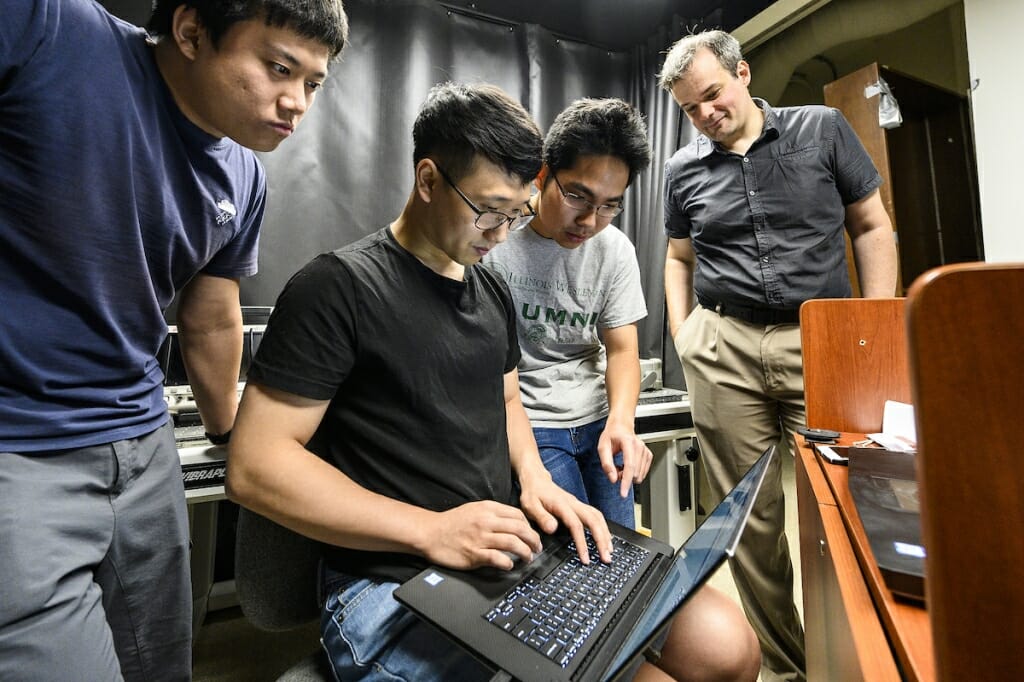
110,201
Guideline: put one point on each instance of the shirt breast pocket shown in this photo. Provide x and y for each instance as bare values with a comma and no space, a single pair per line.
802,187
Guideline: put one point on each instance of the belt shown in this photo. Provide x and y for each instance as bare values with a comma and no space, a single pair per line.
753,315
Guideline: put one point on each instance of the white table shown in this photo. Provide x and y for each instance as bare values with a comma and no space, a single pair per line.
667,429
198,463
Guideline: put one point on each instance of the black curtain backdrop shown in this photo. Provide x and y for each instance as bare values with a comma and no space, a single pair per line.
668,129
347,171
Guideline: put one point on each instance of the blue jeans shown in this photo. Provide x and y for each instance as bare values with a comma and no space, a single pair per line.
571,457
369,636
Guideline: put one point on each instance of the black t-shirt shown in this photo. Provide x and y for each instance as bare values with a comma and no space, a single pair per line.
413,364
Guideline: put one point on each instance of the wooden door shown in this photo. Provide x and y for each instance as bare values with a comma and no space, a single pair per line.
931,160
929,175
847,95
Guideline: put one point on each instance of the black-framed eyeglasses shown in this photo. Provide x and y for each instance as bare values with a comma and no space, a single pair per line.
578,203
491,220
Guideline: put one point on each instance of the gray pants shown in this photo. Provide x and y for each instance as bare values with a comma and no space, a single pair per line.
94,563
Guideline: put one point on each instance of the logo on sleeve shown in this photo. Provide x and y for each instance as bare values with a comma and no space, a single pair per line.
225,211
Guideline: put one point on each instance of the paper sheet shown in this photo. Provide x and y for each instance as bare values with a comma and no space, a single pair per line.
898,429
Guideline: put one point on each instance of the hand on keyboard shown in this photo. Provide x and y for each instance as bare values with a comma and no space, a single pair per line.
548,506
480,534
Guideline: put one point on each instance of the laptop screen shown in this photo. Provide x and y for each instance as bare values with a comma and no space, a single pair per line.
174,368
700,555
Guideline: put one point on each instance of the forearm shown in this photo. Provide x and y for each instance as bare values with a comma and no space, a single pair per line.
272,473
622,383
541,500
210,335
212,359
678,286
522,448
875,254
301,491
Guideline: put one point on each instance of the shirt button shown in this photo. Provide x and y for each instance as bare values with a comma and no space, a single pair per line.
746,160
751,192
765,259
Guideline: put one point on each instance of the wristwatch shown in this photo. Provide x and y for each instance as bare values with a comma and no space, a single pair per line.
219,438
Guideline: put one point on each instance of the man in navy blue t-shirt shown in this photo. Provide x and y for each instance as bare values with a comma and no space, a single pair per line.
127,174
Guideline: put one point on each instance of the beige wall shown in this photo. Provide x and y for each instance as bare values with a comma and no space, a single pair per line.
932,50
993,45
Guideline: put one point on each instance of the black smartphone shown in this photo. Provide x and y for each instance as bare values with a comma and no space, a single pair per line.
818,435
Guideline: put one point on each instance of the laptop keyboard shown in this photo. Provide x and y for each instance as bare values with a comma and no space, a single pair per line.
557,613
657,396
190,435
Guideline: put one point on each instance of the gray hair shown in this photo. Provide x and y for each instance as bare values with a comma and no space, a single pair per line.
680,56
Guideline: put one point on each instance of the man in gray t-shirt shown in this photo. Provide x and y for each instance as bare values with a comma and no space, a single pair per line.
576,285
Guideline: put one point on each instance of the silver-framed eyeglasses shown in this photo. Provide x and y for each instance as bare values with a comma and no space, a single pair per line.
578,203
488,219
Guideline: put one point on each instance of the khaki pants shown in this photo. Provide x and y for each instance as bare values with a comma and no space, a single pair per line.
746,392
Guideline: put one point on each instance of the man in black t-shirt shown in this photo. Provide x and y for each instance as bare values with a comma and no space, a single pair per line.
382,413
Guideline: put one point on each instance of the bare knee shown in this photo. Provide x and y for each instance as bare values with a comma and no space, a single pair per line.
710,640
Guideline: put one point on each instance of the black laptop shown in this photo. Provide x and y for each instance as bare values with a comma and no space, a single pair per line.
884,490
555,618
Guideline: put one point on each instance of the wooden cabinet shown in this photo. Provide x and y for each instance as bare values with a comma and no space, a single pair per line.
966,342
843,634
928,167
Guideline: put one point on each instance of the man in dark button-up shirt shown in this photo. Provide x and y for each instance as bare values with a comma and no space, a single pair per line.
754,210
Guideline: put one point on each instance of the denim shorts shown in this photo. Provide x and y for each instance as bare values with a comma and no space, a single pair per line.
368,635
571,457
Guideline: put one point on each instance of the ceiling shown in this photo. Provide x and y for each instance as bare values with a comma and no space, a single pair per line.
617,24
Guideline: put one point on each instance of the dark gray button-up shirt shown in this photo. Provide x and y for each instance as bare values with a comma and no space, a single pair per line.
767,226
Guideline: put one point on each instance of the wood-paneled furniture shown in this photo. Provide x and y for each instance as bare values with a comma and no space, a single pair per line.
854,353
854,360
854,628
964,351
966,342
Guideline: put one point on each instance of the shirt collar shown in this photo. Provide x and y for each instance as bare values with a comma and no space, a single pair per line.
769,131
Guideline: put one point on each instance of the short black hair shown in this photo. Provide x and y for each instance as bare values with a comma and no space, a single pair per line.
459,122
598,127
321,20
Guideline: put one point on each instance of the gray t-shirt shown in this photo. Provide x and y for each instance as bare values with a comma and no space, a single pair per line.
562,296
